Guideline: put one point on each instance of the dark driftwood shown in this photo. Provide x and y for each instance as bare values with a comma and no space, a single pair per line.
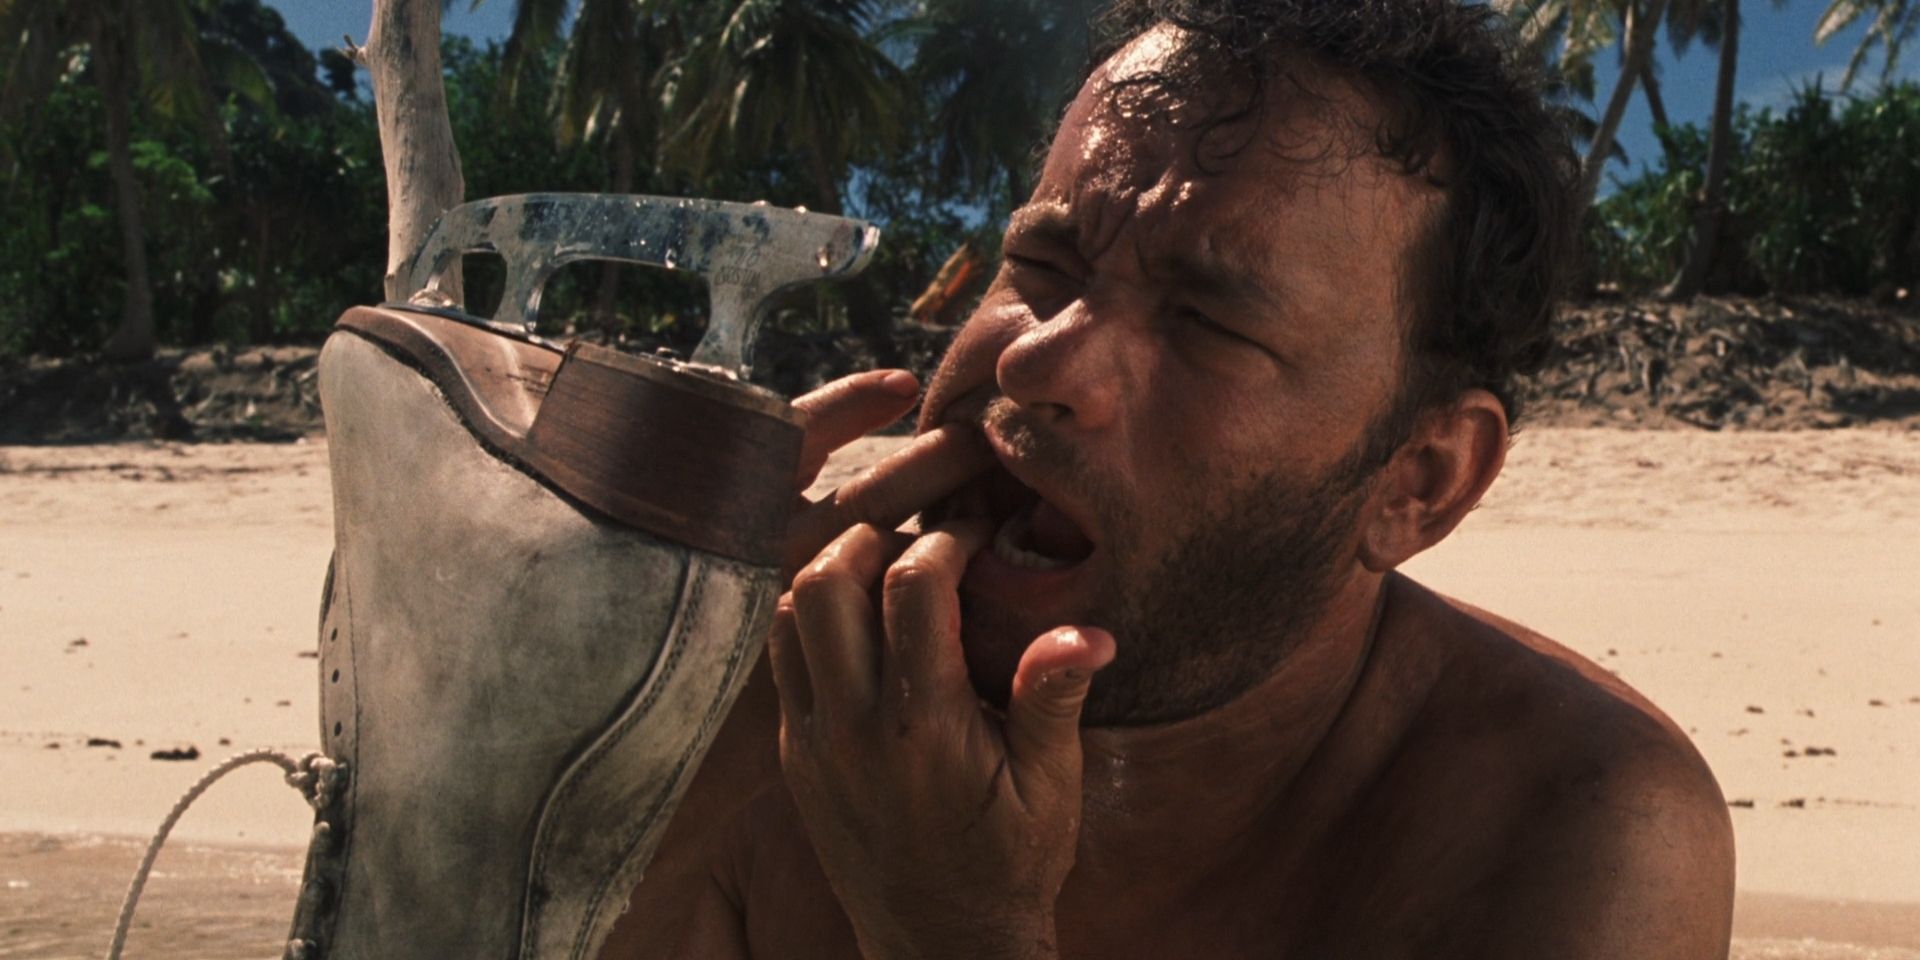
647,443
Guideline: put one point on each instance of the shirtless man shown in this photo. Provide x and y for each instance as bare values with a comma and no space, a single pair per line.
1147,684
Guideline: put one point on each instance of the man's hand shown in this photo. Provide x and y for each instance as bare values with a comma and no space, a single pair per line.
943,830
926,469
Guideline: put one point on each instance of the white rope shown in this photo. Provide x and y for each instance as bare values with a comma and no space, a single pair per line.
302,775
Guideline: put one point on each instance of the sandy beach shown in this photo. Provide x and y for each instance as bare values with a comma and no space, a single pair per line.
1763,588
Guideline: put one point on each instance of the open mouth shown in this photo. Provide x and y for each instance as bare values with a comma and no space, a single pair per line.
1031,533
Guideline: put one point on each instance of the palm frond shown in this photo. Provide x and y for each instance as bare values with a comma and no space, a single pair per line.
41,35
536,28
1898,39
164,42
230,66
1840,15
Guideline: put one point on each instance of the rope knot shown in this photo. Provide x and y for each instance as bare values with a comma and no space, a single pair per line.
314,775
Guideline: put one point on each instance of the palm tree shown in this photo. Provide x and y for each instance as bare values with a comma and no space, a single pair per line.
1715,21
132,50
1569,70
609,82
703,89
1587,26
1650,86
799,77
995,74
1894,23
1639,27
608,90
793,75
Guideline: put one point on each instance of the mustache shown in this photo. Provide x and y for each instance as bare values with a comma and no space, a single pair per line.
1026,434
1019,429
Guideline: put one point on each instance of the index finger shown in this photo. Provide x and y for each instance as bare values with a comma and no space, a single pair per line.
929,467
920,607
846,410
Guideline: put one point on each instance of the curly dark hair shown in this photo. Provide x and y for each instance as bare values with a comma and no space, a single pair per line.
1465,111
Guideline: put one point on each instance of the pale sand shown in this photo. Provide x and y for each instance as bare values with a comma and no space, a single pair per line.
1719,573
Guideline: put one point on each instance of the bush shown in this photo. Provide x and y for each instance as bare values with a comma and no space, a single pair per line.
1822,197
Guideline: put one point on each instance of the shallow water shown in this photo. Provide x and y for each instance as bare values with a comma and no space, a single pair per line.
60,896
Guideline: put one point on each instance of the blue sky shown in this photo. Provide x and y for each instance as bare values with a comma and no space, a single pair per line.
1776,54
322,23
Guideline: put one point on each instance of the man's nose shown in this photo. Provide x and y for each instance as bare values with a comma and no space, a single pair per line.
1070,368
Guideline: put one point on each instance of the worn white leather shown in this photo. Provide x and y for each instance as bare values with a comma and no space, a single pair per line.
520,691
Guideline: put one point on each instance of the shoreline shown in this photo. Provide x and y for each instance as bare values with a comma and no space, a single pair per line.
1757,586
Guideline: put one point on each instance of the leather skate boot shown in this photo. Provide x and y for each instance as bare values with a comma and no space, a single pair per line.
553,570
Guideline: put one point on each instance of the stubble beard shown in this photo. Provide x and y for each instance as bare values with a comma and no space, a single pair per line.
1219,611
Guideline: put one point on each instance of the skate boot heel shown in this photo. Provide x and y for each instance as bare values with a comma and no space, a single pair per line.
553,569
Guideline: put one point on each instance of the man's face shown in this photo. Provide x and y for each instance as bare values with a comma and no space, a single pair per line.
1178,366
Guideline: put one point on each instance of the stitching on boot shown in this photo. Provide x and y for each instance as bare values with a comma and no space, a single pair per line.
692,588
757,598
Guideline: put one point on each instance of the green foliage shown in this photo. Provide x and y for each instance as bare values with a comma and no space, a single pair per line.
1822,196
266,218
264,214
993,74
59,277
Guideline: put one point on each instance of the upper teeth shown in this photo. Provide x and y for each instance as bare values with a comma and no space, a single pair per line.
1006,546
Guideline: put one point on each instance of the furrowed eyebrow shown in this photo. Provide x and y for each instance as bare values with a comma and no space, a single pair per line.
1203,274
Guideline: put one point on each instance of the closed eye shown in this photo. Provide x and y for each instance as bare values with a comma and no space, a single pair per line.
1021,262
1189,318
1041,283
1195,318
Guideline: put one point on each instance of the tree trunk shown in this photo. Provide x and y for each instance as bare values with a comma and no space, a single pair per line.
1639,40
1650,86
133,340
607,300
1908,268
416,135
1713,205
871,318
1656,105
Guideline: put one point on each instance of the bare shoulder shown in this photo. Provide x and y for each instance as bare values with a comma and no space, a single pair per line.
1606,834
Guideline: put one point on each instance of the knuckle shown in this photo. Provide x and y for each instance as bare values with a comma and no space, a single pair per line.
911,575
815,582
1057,708
855,502
823,398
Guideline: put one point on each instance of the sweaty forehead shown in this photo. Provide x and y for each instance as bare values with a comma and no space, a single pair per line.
1294,188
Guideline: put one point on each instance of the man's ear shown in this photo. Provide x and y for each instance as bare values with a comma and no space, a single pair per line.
1434,479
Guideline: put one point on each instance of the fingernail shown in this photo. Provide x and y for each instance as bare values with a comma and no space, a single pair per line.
900,382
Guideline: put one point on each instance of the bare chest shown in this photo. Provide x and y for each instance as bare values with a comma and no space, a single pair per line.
1338,896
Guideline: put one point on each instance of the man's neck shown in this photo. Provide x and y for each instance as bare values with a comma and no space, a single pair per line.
1178,801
